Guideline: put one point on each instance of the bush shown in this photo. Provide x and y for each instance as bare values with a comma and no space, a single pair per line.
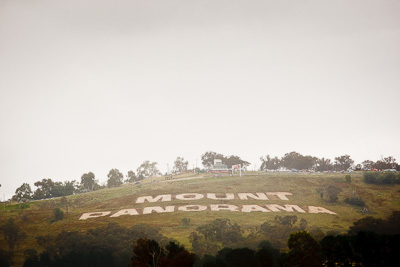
185,222
371,177
381,178
356,201
58,214
24,217
348,178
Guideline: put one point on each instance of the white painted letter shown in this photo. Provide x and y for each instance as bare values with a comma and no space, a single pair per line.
189,196
251,208
228,196
312,209
151,199
245,196
158,209
224,207
94,215
125,212
281,195
192,208
288,208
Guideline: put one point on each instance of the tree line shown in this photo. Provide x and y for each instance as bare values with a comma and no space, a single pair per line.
295,160
46,188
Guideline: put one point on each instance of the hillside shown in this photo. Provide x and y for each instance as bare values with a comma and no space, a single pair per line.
301,190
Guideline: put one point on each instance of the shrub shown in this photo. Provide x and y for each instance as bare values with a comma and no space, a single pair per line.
24,217
371,177
348,178
356,201
381,178
58,214
185,222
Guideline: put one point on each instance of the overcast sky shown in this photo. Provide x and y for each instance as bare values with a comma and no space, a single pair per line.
91,85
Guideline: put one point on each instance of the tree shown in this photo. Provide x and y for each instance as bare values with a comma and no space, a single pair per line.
386,163
58,214
367,164
146,253
147,169
234,160
65,203
343,163
88,181
64,189
269,163
12,234
294,160
115,178
131,177
304,250
44,189
180,165
323,164
330,191
207,159
23,192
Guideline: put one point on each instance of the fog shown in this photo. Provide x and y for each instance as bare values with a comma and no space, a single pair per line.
94,85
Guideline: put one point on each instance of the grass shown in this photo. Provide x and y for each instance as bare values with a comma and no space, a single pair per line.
380,199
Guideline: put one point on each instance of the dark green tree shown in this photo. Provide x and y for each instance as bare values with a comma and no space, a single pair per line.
269,163
24,192
323,164
44,189
146,253
88,181
12,233
58,214
115,178
343,163
303,250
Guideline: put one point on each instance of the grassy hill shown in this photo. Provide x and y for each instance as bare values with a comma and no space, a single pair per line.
35,217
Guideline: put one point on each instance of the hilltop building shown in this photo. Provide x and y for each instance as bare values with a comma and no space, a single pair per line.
218,167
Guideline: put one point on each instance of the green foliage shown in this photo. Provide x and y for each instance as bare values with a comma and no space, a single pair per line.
356,201
24,192
147,169
381,178
380,226
279,230
343,163
222,230
294,160
115,178
347,179
180,165
207,160
12,233
88,181
303,250
329,191
104,246
185,222
58,215
131,177
44,189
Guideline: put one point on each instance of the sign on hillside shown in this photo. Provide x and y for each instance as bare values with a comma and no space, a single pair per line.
261,196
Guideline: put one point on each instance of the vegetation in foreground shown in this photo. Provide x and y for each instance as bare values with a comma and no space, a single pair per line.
369,242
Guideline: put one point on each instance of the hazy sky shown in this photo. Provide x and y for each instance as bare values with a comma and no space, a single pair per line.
95,85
